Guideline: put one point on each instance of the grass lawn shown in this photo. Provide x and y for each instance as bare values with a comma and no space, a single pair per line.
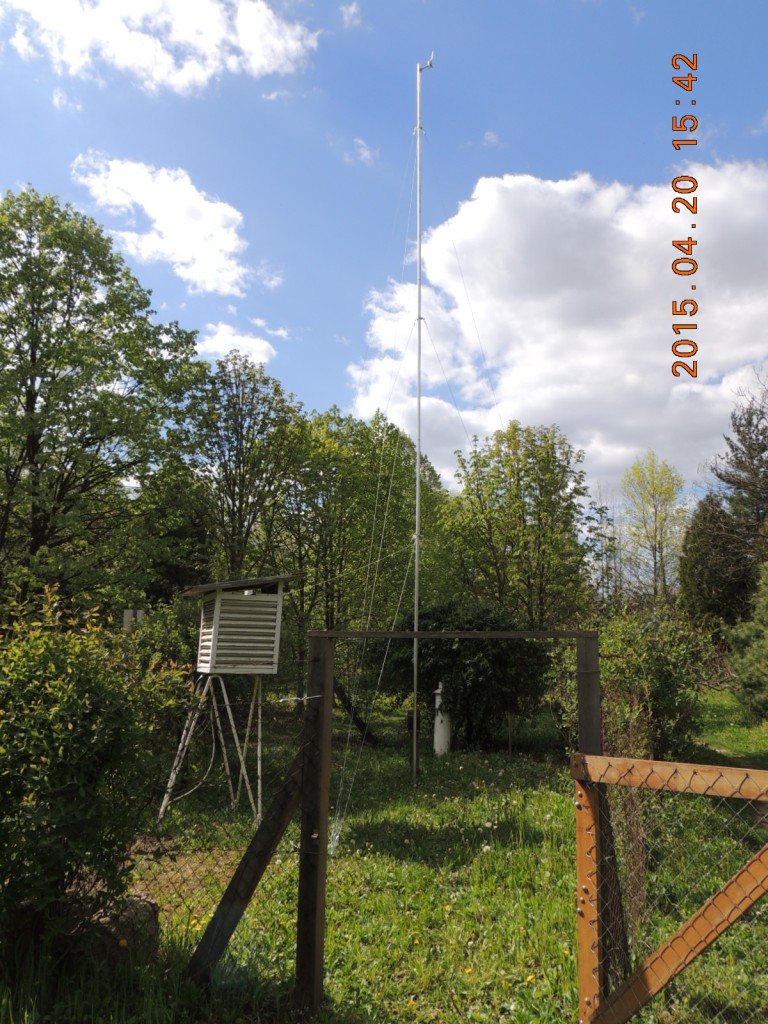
727,735
449,901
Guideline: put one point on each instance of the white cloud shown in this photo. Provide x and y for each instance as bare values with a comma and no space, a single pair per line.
268,277
363,153
560,312
175,44
222,338
199,236
62,102
275,332
350,14
491,138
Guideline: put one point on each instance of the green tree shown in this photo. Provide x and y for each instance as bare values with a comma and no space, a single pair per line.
743,472
88,383
744,468
347,525
717,571
749,653
169,536
243,441
654,521
520,528
606,568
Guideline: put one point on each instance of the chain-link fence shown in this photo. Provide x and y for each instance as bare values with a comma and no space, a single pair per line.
672,865
227,821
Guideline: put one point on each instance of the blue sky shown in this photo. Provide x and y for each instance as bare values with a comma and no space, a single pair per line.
255,163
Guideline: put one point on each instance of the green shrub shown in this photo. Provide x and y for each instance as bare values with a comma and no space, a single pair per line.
483,680
652,667
79,748
169,632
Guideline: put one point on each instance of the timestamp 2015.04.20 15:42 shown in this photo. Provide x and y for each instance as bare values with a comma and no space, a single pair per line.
685,202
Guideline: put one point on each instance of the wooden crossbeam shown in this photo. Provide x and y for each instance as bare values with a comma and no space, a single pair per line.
672,776
698,933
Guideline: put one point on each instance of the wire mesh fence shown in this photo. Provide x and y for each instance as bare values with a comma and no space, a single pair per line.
226,762
673,865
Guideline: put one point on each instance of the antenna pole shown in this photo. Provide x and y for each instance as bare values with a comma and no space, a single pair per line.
417,537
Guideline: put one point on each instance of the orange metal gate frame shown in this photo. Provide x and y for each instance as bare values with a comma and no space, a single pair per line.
715,916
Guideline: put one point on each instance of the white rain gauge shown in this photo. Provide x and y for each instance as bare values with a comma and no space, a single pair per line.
239,635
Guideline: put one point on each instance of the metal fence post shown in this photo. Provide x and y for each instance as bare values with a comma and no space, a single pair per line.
588,902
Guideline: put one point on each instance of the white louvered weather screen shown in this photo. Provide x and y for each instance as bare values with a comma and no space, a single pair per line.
240,633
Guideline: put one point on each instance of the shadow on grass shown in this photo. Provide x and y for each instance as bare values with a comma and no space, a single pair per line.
715,1009
706,754
382,778
440,845
258,1001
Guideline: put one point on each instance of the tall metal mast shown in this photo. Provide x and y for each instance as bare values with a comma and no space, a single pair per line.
417,538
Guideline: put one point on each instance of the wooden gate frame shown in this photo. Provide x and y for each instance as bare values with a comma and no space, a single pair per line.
594,859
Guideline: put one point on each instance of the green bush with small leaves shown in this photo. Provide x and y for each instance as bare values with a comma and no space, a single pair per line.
484,680
652,670
81,750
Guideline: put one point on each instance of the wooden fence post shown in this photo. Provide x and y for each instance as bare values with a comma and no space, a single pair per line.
313,854
604,958
590,701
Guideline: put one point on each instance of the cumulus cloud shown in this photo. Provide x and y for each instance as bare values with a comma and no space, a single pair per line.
551,302
175,44
197,235
222,338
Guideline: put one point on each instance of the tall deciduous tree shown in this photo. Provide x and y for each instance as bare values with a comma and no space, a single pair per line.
348,521
88,382
520,526
170,535
654,521
244,448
